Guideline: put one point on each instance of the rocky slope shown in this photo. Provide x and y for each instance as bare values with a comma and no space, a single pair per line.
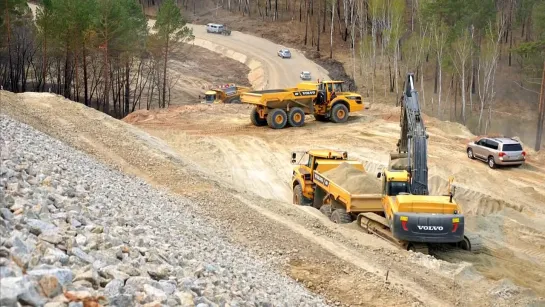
75,232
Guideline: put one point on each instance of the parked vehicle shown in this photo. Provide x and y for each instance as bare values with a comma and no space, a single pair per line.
214,28
305,75
497,151
284,53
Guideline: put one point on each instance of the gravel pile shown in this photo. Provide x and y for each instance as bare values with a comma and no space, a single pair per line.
74,232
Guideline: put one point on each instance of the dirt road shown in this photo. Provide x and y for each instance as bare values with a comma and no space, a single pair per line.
267,69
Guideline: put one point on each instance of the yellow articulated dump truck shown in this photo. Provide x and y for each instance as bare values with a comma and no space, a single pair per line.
279,108
227,93
380,203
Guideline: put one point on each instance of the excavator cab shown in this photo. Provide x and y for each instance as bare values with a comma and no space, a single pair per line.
395,182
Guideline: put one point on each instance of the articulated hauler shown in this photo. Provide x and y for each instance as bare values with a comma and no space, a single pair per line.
279,108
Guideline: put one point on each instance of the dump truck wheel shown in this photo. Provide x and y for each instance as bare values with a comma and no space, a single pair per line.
235,100
339,113
256,120
326,210
277,119
296,118
320,118
340,216
298,197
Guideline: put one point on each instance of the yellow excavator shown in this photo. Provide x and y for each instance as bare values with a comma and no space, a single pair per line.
403,213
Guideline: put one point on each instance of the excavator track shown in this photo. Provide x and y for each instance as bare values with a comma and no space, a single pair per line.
375,224
472,242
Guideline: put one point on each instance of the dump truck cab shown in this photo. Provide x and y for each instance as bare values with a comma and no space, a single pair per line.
225,93
320,160
210,97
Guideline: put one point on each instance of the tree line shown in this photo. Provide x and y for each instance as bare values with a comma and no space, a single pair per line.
98,52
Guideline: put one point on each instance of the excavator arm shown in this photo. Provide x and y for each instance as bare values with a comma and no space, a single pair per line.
412,143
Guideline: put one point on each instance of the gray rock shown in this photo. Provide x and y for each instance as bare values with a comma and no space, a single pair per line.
110,272
114,288
10,271
123,300
20,251
186,299
76,251
134,284
51,238
75,304
64,276
19,289
6,214
155,294
10,289
159,272
38,227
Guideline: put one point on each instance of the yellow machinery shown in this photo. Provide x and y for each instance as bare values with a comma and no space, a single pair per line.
411,222
228,93
404,213
279,108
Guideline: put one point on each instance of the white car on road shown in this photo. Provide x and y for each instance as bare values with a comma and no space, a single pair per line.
284,53
305,75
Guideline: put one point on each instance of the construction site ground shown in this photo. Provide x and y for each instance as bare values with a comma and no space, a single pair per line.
240,175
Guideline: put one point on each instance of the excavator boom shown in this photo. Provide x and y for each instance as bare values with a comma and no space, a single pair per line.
412,143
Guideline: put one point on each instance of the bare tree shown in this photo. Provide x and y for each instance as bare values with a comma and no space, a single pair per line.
461,50
486,71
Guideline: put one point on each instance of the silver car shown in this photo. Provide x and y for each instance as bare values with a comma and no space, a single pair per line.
284,53
497,151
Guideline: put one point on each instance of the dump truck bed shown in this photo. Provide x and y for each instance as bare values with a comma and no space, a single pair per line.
355,203
301,96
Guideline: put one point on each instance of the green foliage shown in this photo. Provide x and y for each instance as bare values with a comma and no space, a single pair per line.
170,24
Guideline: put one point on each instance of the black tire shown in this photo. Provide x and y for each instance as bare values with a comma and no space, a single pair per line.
256,120
491,163
277,119
318,200
326,210
339,113
470,154
296,117
298,197
235,100
340,216
320,118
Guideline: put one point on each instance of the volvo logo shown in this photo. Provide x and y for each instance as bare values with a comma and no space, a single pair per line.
430,227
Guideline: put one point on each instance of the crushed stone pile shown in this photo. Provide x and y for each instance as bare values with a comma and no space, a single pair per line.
74,232
354,180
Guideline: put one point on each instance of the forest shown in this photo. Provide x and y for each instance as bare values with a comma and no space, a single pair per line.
98,51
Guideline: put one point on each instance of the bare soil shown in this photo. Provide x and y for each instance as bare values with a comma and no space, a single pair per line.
195,69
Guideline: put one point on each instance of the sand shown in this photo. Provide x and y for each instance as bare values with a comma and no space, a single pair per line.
399,164
354,180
